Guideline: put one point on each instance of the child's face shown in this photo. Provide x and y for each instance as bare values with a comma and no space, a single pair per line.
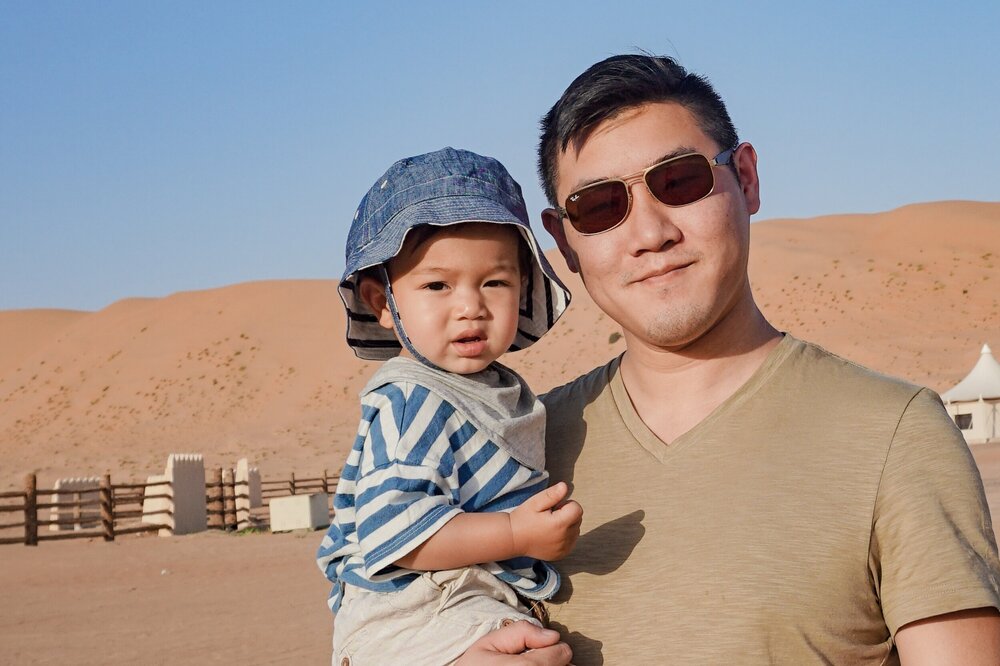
458,294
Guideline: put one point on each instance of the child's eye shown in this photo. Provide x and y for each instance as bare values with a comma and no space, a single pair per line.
435,286
497,283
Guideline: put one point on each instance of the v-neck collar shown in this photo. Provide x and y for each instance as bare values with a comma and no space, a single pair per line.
663,450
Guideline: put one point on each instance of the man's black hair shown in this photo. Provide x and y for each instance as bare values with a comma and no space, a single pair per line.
621,83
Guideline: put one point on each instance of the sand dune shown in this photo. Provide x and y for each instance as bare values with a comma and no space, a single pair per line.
260,369
914,292
22,332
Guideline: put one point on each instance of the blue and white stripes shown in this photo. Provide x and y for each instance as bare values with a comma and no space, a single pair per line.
415,464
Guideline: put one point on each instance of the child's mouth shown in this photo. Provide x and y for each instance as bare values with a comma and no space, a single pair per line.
469,345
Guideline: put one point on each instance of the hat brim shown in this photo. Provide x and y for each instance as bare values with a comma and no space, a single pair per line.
543,299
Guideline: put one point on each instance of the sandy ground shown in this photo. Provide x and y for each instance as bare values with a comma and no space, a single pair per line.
207,598
260,370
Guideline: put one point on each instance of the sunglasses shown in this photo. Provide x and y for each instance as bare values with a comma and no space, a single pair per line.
679,181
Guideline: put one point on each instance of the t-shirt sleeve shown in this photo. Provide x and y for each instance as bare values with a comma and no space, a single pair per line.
406,490
933,548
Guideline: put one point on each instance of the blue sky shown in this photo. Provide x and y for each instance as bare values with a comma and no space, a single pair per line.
152,147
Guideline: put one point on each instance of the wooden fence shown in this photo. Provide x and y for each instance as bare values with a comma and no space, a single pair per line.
114,502
121,512
295,486
222,491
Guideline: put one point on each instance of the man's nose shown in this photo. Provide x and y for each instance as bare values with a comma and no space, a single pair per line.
650,223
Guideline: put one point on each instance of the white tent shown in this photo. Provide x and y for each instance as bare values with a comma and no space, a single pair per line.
974,402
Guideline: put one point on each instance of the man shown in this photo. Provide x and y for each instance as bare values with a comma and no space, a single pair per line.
748,497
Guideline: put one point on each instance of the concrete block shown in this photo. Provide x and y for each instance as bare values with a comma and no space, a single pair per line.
184,481
187,476
85,489
299,512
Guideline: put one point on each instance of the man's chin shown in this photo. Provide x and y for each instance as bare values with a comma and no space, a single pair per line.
677,329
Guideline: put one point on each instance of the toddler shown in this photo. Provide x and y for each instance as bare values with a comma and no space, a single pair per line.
444,522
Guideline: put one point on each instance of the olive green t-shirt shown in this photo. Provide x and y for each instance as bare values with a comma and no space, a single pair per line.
811,515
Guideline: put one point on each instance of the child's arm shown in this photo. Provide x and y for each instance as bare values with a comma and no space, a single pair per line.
541,528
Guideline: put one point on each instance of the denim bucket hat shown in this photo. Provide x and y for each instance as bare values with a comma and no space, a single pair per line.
442,188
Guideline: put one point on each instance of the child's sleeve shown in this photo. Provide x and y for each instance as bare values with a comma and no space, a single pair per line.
407,487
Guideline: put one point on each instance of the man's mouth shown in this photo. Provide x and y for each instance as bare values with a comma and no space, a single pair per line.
663,272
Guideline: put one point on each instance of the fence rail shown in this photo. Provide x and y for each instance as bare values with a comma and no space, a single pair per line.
119,506
296,486
109,520
222,491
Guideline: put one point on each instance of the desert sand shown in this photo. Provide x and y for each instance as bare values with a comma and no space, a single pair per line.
260,370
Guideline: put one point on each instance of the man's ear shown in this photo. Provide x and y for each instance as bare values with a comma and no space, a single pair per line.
372,292
746,168
552,221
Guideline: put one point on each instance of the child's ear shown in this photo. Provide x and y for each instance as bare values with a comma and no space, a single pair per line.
372,292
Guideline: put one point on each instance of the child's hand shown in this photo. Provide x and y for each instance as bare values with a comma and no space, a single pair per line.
545,526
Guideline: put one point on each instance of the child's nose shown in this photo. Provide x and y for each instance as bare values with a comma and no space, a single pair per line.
471,304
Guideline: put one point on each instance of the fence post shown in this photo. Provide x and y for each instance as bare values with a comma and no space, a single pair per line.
77,511
107,508
228,499
30,510
241,495
326,487
292,483
221,489
215,519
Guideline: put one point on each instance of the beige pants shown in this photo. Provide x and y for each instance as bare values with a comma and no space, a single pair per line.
432,621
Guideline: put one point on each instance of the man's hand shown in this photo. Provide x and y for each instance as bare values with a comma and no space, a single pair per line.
507,646
545,526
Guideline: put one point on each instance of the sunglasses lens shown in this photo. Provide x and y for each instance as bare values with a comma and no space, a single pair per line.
677,182
598,208
681,181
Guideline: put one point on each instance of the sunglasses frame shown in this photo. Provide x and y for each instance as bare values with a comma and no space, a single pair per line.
722,159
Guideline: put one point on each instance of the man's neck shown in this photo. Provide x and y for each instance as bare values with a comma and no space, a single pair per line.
674,389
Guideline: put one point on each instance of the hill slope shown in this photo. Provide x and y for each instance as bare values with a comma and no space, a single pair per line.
260,369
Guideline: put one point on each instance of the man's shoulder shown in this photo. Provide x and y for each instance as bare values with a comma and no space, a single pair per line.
581,391
829,372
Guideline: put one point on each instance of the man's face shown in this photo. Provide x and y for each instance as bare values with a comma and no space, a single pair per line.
666,275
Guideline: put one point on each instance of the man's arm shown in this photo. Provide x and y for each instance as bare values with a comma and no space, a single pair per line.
966,638
543,527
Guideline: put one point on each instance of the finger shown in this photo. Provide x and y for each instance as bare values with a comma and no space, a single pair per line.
554,655
536,638
548,498
520,636
569,513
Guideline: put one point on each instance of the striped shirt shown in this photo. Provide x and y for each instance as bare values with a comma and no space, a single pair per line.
417,462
